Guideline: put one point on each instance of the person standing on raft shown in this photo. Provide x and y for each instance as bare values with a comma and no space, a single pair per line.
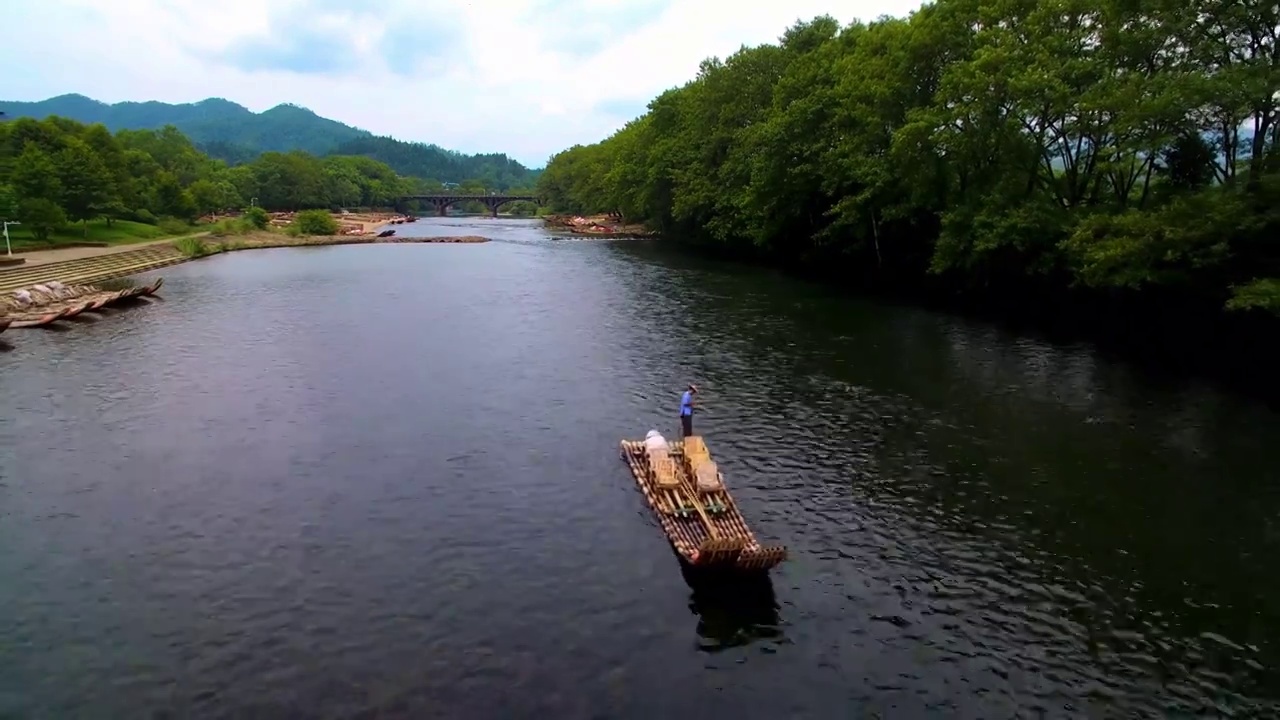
686,410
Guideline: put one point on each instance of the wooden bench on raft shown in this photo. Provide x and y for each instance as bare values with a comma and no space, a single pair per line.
675,496
662,467
704,474
682,498
705,491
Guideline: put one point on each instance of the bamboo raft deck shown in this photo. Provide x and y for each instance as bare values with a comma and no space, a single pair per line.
706,529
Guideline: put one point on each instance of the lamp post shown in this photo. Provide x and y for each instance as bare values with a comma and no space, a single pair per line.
8,248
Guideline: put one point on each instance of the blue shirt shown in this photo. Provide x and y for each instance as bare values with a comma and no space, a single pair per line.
686,403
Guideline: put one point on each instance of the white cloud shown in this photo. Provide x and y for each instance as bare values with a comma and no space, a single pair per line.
525,77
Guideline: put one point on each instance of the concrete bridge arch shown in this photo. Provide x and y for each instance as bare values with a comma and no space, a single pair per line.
442,201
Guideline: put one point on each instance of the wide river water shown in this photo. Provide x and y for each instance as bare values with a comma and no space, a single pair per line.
383,481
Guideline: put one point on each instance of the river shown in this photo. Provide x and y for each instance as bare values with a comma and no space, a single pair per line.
384,481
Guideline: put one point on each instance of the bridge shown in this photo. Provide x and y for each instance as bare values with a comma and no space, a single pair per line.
442,201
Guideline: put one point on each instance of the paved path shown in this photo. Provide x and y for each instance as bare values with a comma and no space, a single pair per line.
44,257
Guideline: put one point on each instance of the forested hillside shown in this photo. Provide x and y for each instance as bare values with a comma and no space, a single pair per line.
1088,148
58,171
230,132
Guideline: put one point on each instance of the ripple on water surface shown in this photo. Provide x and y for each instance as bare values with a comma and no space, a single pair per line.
384,480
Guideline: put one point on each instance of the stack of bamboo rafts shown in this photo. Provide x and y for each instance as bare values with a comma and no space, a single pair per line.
45,303
686,490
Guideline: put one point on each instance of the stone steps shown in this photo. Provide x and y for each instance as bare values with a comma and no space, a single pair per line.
92,269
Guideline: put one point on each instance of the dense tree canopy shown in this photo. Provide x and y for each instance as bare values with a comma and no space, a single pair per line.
55,171
232,133
1100,144
495,171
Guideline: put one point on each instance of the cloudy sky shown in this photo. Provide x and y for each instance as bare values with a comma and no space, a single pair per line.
525,77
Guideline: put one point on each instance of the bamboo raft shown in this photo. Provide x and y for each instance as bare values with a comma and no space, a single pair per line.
53,304
703,525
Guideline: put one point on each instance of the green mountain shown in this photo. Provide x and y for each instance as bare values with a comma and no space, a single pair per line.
233,133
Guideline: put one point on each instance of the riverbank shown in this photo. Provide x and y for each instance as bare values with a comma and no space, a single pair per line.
111,263
123,235
262,240
349,223
606,225
367,223
91,265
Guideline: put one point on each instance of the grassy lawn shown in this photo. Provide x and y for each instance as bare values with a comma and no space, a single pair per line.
121,232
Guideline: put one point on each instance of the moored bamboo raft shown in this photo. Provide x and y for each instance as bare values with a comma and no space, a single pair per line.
31,320
43,304
704,526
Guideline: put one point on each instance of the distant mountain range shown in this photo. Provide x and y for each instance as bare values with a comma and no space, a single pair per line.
233,133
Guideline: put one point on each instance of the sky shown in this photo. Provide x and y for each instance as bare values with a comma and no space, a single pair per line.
524,77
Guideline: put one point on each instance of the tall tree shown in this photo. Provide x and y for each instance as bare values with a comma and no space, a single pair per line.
35,175
87,185
1003,147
